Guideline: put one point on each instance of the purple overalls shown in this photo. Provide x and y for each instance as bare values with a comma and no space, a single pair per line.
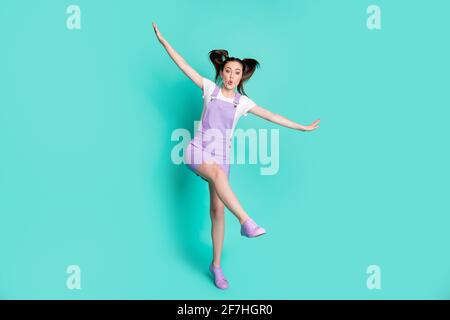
212,141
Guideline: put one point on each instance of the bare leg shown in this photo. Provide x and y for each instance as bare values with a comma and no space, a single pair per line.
218,179
217,212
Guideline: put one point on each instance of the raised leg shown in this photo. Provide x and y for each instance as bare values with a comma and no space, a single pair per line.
219,180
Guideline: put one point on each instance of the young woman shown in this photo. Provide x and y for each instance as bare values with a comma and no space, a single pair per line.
208,152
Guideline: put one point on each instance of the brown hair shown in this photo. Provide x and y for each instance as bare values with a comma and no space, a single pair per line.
219,58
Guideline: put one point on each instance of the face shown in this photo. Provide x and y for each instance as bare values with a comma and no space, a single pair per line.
231,74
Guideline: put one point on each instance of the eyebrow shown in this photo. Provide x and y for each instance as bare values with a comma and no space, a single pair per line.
236,68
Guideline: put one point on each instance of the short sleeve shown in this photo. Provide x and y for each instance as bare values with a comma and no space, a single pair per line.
208,87
247,104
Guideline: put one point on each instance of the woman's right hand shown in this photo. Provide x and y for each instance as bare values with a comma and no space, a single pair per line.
179,61
158,34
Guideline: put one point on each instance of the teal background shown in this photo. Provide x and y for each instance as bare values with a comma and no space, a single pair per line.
86,177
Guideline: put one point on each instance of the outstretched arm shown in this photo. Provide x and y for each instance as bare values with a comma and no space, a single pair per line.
179,61
285,122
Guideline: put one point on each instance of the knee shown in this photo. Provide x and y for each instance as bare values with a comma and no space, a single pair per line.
217,213
217,173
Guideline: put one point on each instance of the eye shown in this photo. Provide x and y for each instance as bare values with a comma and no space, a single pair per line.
227,71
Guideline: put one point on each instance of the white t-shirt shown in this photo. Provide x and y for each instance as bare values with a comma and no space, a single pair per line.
245,103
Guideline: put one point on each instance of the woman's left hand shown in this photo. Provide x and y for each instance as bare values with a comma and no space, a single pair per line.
312,126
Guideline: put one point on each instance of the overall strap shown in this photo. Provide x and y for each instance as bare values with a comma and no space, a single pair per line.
236,99
215,92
